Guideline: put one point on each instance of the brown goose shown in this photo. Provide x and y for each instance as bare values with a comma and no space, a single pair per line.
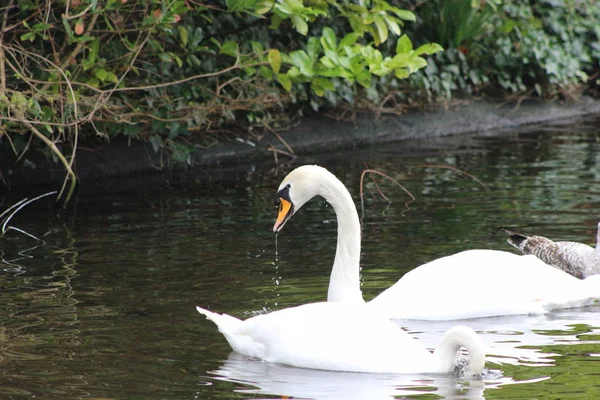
577,259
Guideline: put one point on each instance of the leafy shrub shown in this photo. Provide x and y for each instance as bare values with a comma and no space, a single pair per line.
546,46
162,71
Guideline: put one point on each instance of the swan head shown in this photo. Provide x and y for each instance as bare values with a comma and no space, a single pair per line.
298,187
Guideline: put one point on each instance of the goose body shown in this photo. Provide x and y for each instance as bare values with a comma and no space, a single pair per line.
469,284
344,337
577,259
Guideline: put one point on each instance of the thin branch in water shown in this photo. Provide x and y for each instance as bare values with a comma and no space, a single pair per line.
456,170
282,140
21,231
277,151
374,171
14,209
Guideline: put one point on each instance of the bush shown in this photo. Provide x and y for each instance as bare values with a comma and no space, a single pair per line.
546,46
161,71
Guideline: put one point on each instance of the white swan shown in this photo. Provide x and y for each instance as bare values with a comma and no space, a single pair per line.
577,259
469,284
344,337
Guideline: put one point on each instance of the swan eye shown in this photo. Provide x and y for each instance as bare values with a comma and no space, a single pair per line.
277,202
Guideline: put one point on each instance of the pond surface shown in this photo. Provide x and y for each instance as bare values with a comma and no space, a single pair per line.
104,308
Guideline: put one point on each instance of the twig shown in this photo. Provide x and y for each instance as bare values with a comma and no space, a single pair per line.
2,67
277,151
189,78
456,170
221,86
282,140
62,159
15,208
373,171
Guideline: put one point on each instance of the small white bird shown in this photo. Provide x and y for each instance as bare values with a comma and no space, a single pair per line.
344,337
577,259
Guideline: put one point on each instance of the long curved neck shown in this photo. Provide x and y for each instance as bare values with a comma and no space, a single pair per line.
454,339
344,283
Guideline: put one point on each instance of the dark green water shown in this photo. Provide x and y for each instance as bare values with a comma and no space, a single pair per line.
105,307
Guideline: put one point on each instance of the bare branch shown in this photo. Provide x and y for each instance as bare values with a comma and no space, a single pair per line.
373,171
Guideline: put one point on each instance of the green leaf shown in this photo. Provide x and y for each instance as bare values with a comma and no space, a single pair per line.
349,39
230,48
300,59
28,36
417,63
67,27
101,74
318,90
41,27
183,36
313,47
197,37
193,60
364,79
328,39
18,100
399,61
428,48
177,59
258,49
111,77
333,72
264,7
392,24
401,73
382,30
165,57
275,21
156,142
285,81
265,72
94,48
404,45
93,81
83,39
324,83
274,60
300,24
404,14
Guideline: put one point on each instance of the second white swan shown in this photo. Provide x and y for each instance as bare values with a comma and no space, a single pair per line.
344,337
469,284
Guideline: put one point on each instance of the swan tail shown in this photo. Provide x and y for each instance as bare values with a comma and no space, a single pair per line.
455,338
225,323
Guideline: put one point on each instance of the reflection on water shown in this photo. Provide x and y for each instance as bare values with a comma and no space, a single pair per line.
274,379
104,307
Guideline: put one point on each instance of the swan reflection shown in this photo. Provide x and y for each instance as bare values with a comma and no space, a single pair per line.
265,378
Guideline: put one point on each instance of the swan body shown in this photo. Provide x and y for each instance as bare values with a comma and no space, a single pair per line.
344,337
577,259
469,284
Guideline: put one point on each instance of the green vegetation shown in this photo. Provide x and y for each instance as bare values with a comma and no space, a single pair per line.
166,70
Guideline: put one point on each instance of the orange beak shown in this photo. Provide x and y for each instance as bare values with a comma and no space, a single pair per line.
285,212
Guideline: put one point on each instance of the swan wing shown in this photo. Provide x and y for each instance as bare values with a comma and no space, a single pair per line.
481,283
332,336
